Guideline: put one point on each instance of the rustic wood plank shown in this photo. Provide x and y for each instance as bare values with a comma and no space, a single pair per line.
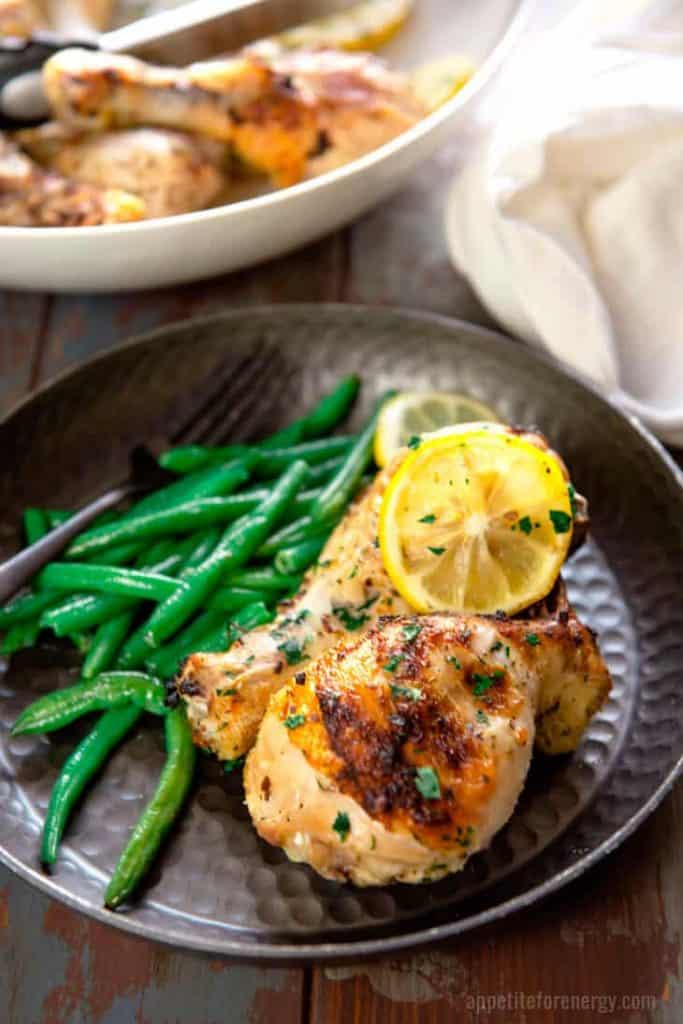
613,933
81,326
59,967
23,319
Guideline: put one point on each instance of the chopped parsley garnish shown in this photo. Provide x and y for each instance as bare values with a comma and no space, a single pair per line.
497,646
573,504
411,631
411,692
354,572
430,518
294,721
525,525
466,839
451,658
436,551
233,763
342,825
414,441
427,782
227,693
393,663
532,639
561,521
482,717
293,651
354,617
483,683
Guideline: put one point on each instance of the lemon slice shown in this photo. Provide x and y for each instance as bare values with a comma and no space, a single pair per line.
413,413
441,79
475,521
364,27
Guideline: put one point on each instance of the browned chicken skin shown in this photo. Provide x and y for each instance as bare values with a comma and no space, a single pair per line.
346,592
33,197
281,116
418,733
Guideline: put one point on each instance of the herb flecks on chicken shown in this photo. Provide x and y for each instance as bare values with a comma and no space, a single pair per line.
416,736
342,596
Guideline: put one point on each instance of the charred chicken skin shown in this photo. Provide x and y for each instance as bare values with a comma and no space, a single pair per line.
396,755
287,117
226,694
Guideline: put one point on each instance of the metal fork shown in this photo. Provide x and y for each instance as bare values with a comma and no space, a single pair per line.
213,421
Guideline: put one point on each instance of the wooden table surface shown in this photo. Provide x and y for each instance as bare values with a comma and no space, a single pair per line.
607,947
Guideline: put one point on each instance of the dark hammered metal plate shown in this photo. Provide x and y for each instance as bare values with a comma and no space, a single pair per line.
219,888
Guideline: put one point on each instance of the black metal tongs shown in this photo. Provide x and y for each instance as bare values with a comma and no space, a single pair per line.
194,31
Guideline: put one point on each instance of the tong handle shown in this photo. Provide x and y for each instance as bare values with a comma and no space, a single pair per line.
21,56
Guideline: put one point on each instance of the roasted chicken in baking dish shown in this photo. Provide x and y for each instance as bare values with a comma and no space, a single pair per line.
31,196
346,592
168,171
396,755
291,116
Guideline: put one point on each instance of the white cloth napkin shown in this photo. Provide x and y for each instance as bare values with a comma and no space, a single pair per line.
568,219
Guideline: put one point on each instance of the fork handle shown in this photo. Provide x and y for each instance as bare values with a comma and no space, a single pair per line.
18,570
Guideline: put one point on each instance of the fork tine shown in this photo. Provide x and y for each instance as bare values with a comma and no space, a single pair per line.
229,418
200,424
247,411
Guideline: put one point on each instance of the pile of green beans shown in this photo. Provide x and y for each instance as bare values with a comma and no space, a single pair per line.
189,567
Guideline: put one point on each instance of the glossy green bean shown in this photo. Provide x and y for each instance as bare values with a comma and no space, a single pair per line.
236,546
159,815
195,513
275,461
224,636
338,492
231,599
301,556
106,643
165,661
35,524
104,579
79,769
109,690
265,579
212,482
25,607
83,611
20,635
57,516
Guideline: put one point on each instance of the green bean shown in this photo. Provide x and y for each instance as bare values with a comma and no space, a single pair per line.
321,473
77,771
265,579
166,660
274,461
83,611
267,463
324,416
213,482
57,516
236,546
119,554
112,580
193,514
25,607
20,635
293,533
335,496
109,690
159,815
106,643
196,458
299,557
231,599
35,524
222,638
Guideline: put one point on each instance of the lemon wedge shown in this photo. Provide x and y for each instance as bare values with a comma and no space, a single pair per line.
439,80
475,520
414,413
366,26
